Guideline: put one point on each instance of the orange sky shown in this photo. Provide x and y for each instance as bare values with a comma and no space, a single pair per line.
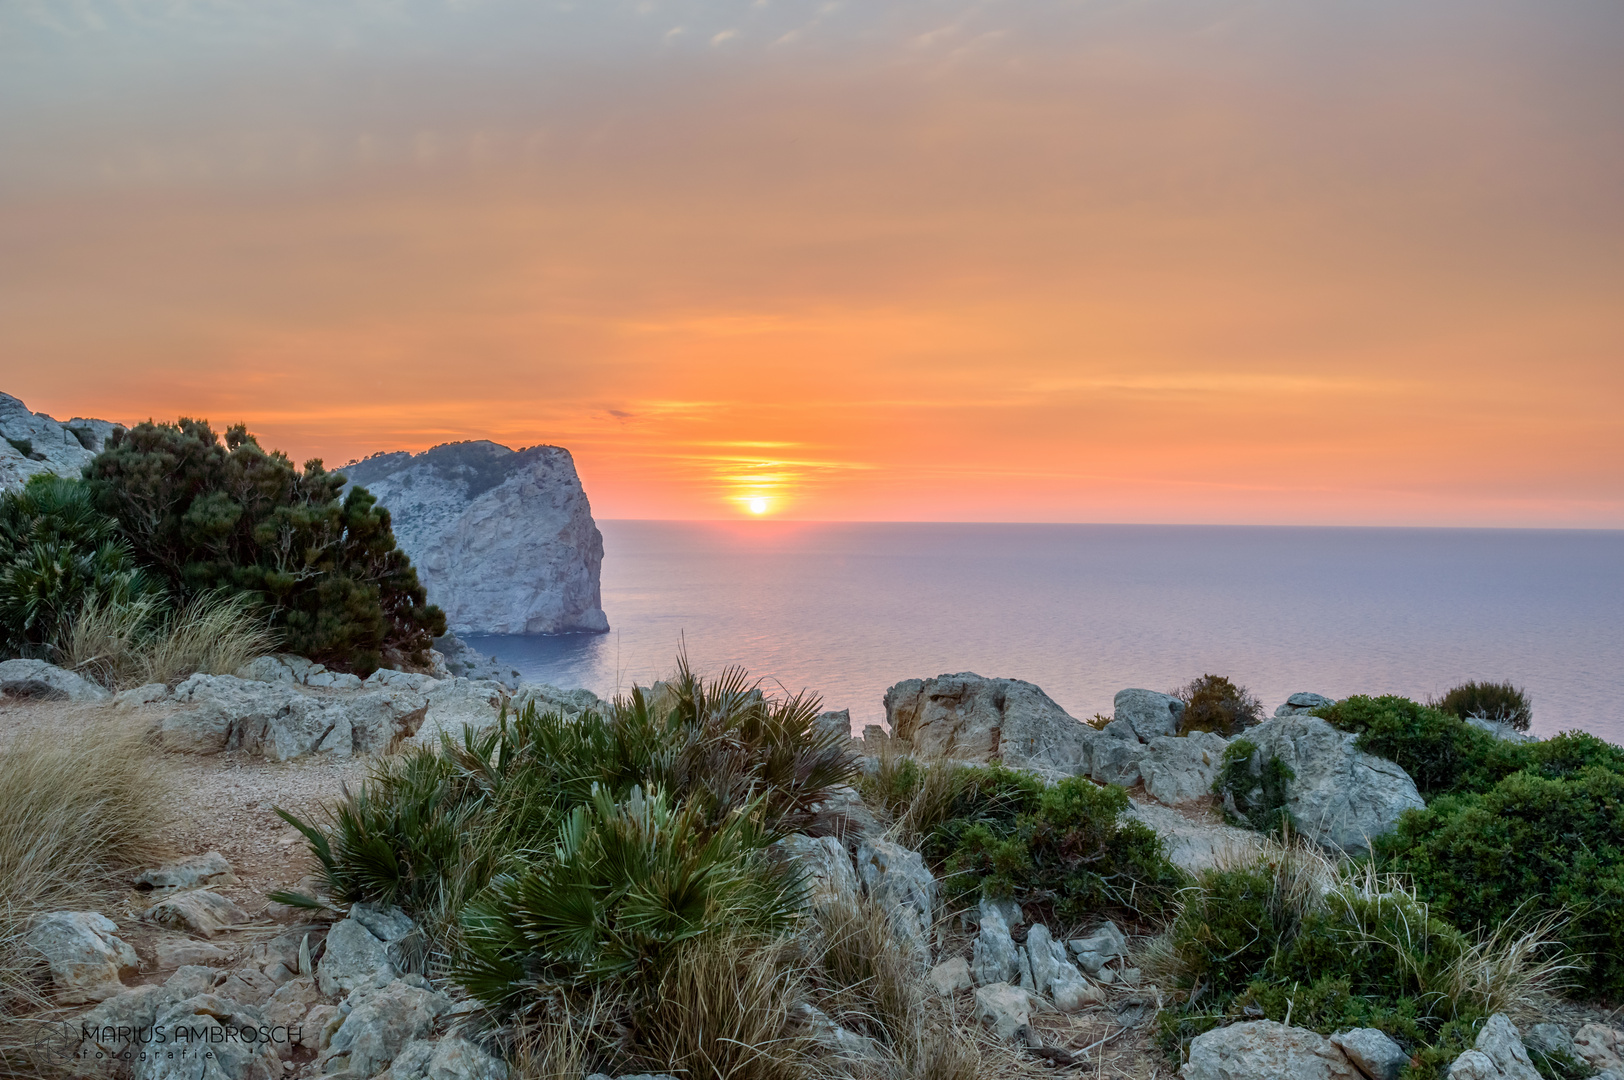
1164,262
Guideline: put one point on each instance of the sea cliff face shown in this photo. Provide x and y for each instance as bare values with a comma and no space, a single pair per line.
503,540
33,443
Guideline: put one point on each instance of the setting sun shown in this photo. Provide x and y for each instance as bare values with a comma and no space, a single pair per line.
758,505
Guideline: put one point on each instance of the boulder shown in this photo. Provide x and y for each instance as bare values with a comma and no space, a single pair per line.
291,1002
1181,769
1602,1047
951,976
457,703
1149,713
1497,1053
1372,1052
238,1053
1053,974
280,721
897,879
246,984
192,872
32,443
196,911
1550,1039
1339,796
1302,702
826,865
1117,760
380,1024
136,697
994,958
85,956
108,1026
1006,1011
969,718
830,1036
37,679
834,722
368,948
451,1058
1104,946
1265,1050
503,541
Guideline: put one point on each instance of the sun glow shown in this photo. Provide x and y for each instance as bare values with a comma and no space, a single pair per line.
758,505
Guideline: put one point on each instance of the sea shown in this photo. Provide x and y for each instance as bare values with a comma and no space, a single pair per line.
845,610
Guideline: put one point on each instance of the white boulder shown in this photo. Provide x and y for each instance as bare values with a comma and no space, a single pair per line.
826,866
37,679
1149,713
1182,768
994,956
1007,1011
1602,1047
381,1023
450,1058
898,880
196,911
85,956
1497,1054
503,541
1265,1050
966,717
1339,795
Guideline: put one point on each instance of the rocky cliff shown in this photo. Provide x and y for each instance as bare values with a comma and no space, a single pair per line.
503,540
32,443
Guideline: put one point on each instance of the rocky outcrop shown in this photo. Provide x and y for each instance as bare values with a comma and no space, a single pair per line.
825,866
280,721
503,540
1303,701
1195,845
1266,1050
32,443
1498,1054
1007,1013
465,662
897,879
1339,796
1148,713
1181,769
966,717
37,679
1600,1046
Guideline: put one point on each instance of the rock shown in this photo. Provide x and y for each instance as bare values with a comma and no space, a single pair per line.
290,1002
846,814
366,949
239,1053
1372,1052
37,679
1117,760
968,718
380,1024
1602,1047
1550,1039
1149,714
830,876
951,976
834,722
897,879
191,980
570,703
451,1058
1340,795
463,661
281,722
192,872
86,958
1499,729
146,694
246,984
456,704
1195,845
1497,1052
503,541
1100,948
1007,909
1054,974
994,958
32,443
108,1025
196,911
172,953
829,1035
1182,769
1302,702
390,679
1265,1050
1007,1011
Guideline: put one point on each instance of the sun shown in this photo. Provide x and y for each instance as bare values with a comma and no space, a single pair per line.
758,505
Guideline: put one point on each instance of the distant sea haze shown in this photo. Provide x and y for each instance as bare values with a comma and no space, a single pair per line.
847,609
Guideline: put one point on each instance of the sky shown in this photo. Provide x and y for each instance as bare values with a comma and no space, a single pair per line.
1238,261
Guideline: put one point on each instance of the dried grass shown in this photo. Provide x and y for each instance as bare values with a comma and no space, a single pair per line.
76,807
560,1046
868,982
130,644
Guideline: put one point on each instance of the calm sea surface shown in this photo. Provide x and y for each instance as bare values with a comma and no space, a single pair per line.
1085,610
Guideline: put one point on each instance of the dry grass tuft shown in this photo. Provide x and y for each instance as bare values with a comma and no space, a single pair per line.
139,642
76,808
869,984
560,1046
725,1009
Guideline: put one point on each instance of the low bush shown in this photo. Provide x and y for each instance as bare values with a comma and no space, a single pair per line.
205,514
1213,703
1502,703
57,554
1530,841
1069,850
1332,946
1253,800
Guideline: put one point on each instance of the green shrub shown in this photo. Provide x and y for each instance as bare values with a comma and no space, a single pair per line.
1502,703
627,883
206,515
1213,703
1530,841
1064,847
58,553
1441,752
1253,800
